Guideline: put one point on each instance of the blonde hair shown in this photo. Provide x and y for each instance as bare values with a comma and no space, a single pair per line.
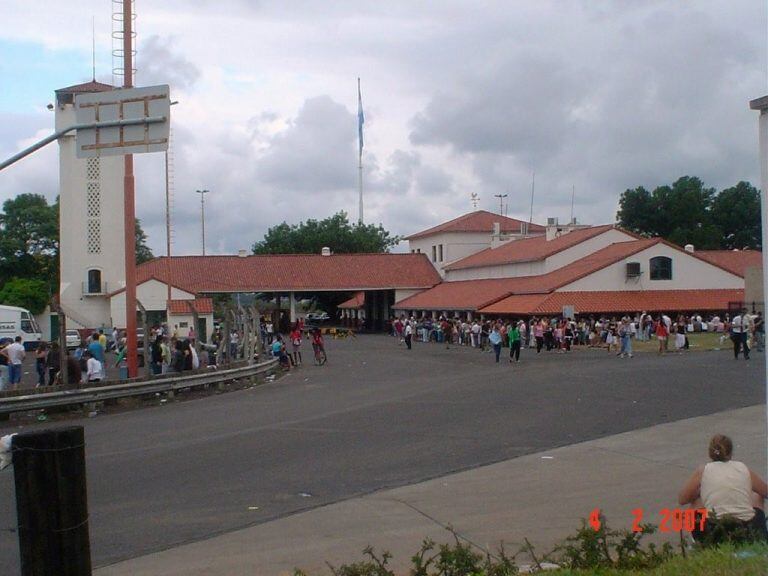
720,448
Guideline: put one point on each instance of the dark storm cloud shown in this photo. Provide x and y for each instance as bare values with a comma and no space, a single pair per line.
618,100
317,152
159,63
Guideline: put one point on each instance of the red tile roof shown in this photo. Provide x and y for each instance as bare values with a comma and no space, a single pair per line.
616,301
293,272
475,294
735,261
479,221
201,306
86,87
528,249
356,302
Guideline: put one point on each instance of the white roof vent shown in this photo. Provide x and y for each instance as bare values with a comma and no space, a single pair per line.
689,248
325,251
242,253
497,228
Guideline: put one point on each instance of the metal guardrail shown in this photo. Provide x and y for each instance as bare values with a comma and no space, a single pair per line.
97,394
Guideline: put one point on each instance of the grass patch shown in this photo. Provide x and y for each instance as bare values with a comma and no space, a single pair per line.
722,561
700,341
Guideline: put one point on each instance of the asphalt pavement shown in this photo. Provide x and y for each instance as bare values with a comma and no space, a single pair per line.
375,417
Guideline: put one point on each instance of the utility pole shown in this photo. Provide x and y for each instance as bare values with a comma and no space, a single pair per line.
130,207
501,202
202,213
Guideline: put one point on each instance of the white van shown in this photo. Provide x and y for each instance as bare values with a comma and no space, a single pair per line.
15,321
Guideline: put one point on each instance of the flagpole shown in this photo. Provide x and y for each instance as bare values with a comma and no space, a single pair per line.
360,121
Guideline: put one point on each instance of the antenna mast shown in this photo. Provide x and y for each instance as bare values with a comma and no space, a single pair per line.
93,47
573,197
533,187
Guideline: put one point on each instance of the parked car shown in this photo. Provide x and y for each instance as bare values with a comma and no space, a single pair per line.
73,339
318,317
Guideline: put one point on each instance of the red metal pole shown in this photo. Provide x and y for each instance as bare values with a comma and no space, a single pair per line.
130,208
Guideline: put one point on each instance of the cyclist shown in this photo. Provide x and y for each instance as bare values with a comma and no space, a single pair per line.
319,347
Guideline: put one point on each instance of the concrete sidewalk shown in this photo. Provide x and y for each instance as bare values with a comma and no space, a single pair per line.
540,497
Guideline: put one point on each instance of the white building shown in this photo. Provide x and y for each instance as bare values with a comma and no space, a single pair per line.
597,269
467,235
91,216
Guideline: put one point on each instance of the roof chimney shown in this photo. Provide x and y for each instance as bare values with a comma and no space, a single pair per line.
325,251
689,248
242,253
497,228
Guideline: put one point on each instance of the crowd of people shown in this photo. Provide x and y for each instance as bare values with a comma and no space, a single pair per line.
611,333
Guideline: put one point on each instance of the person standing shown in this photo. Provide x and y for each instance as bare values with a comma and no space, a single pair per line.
165,354
739,331
625,334
15,354
661,334
53,363
296,344
41,355
495,339
515,339
157,355
93,368
408,332
97,351
447,328
102,339
3,369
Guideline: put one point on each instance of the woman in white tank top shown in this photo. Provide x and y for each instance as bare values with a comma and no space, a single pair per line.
727,488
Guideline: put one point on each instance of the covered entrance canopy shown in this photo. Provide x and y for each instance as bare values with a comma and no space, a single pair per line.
385,277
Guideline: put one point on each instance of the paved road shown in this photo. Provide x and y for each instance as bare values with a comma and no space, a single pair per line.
376,416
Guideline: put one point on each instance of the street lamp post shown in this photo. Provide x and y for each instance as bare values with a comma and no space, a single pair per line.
202,213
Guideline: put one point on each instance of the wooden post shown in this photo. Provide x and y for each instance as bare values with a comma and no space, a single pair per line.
52,502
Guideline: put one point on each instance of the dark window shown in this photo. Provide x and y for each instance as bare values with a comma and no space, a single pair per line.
434,253
94,281
441,252
26,326
661,268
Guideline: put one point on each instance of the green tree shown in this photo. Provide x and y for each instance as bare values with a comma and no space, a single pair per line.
687,212
27,293
29,239
736,211
636,211
335,232
143,252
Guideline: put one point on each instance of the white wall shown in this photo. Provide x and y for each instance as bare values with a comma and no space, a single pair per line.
563,258
586,248
688,273
179,319
500,271
456,245
74,254
401,294
152,294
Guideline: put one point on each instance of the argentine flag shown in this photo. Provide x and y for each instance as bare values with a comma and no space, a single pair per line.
360,119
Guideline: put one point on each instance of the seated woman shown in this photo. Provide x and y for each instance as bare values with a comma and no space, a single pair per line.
728,490
278,351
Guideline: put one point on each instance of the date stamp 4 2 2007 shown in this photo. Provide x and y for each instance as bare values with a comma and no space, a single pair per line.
670,520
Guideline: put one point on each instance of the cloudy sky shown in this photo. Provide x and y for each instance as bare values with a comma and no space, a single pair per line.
459,97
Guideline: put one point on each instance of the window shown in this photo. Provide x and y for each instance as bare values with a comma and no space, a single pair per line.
434,253
94,281
661,268
441,252
26,326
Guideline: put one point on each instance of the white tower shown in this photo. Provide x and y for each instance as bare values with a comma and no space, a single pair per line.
91,227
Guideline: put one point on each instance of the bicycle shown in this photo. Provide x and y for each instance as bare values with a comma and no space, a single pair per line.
320,356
